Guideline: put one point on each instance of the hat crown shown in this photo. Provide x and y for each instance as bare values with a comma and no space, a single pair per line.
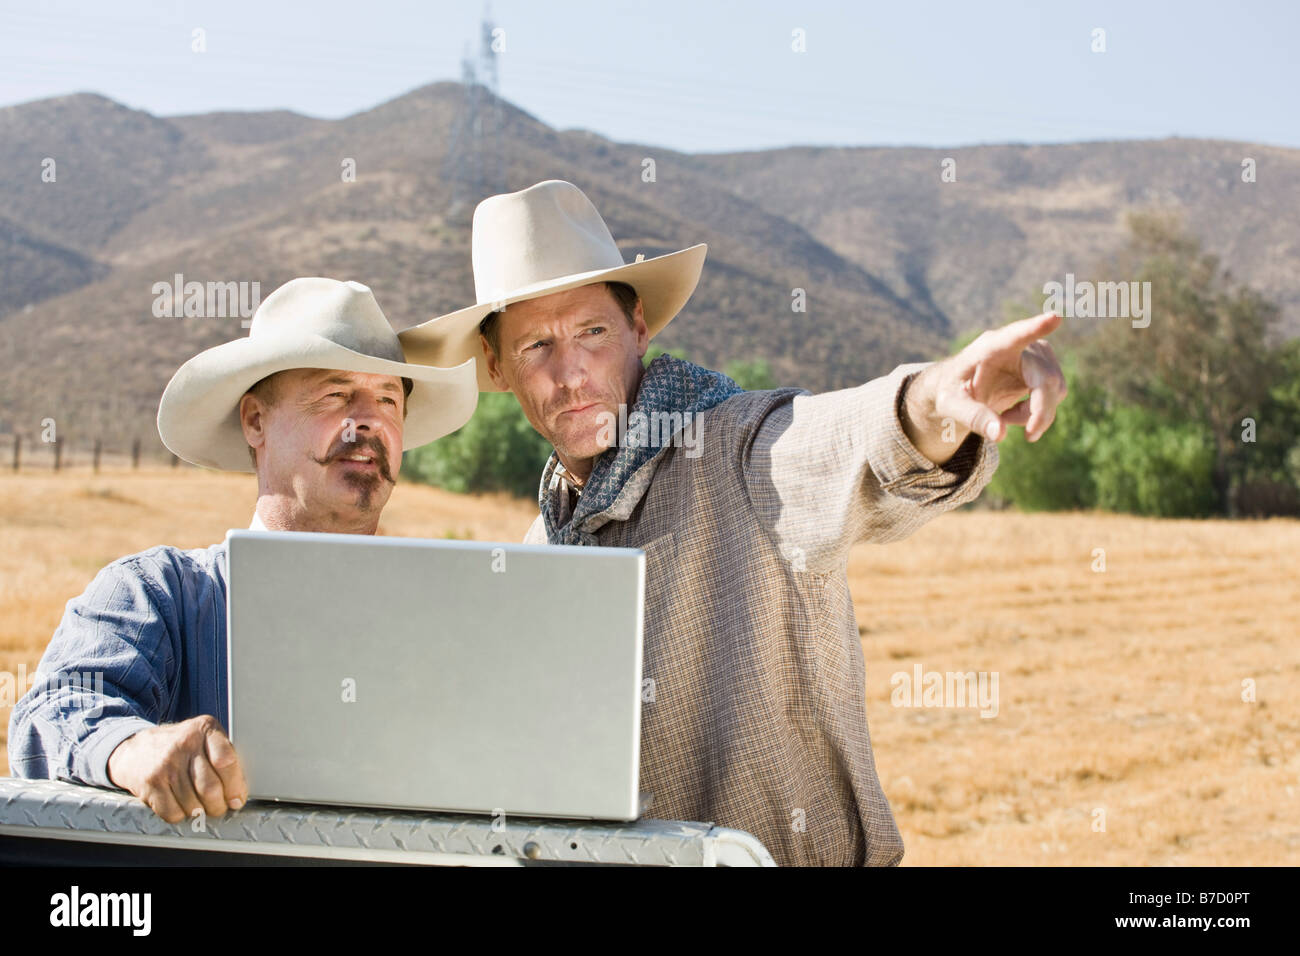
538,234
344,313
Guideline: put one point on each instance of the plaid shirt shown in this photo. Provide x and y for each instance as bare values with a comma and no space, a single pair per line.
756,717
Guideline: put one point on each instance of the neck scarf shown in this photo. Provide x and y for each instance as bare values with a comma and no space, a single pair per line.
670,386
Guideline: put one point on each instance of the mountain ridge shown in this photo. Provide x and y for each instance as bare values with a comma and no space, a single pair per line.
893,262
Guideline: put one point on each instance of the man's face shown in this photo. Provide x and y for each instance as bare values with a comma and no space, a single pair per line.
570,358
328,443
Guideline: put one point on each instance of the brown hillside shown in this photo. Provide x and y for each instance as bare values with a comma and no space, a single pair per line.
893,262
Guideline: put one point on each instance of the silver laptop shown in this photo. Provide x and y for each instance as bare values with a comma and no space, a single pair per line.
454,676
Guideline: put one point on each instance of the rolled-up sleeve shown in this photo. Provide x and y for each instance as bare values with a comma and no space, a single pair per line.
105,675
827,471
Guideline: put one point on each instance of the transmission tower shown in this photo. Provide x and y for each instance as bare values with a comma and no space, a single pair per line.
475,165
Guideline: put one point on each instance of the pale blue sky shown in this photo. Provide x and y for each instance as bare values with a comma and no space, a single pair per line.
698,75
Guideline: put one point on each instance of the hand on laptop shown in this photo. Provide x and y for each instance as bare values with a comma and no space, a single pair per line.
176,768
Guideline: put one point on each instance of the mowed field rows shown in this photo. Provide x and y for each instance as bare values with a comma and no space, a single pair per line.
1121,649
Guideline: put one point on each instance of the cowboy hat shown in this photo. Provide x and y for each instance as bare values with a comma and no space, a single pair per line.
306,323
545,239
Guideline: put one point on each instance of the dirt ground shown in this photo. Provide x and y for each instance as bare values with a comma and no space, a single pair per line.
1147,672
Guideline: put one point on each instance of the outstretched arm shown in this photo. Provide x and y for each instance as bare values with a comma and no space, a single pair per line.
878,461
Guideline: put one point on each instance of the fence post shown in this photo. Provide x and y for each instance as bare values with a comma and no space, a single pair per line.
58,453
135,453
18,444
99,446
175,460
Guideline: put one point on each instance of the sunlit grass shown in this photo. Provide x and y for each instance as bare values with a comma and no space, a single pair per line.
1119,691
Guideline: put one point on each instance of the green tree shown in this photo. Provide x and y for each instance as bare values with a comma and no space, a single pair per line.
654,351
753,375
1204,359
1275,453
1143,464
1055,472
497,450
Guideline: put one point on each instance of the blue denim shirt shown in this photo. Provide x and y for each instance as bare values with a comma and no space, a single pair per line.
145,644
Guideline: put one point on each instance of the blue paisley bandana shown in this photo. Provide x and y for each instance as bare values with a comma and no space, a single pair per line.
671,390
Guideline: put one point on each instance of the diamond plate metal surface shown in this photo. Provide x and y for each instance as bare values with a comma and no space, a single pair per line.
55,807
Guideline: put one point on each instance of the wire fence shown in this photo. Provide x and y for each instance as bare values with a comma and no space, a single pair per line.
22,454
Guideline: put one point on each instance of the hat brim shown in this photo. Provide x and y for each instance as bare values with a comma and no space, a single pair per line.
198,416
664,283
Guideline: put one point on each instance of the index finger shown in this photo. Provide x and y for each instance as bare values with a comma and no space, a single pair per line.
1022,332
222,756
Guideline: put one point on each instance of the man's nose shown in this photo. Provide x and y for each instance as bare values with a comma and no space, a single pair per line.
365,413
571,367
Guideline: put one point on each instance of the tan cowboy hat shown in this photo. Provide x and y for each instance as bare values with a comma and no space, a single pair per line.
306,323
543,239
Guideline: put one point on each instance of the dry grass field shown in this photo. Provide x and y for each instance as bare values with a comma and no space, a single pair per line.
1120,691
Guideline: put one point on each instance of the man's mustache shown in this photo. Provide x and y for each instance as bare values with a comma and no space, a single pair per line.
372,446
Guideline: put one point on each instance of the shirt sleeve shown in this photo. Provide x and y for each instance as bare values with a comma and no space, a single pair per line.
827,471
106,674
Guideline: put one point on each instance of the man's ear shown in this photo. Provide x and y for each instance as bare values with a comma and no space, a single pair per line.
252,418
640,329
493,364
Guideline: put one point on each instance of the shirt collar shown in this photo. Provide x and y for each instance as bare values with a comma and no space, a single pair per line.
567,478
257,524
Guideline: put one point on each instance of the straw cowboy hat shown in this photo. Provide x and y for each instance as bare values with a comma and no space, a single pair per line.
544,239
306,323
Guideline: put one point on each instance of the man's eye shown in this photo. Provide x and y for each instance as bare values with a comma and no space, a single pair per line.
597,328
391,401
